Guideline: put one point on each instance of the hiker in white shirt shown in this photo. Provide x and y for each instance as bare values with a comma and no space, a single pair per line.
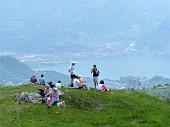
72,72
76,82
58,84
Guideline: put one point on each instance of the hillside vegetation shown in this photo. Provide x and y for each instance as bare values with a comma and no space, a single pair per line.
14,71
86,109
162,93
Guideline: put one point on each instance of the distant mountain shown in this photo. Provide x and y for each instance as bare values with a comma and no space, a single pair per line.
55,76
158,80
12,71
137,81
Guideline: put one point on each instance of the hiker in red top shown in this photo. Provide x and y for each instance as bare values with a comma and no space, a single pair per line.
103,87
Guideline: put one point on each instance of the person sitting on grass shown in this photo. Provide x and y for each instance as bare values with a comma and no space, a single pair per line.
59,85
76,82
79,82
48,91
41,80
33,80
54,98
47,94
103,87
51,84
82,82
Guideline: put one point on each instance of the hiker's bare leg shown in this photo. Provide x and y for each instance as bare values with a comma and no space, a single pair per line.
95,84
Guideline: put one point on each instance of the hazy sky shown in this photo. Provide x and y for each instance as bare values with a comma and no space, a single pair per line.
99,26
48,23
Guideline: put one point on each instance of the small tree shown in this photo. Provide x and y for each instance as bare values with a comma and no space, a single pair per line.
159,85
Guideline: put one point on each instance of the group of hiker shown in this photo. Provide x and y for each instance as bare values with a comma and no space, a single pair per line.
35,81
76,81
52,94
74,77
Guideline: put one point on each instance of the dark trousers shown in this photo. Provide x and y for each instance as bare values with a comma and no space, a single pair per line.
72,78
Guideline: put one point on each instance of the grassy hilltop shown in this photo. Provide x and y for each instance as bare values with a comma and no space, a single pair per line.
85,109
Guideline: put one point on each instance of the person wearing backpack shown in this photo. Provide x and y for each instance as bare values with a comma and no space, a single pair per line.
95,73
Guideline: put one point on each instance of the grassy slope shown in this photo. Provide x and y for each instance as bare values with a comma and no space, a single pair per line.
85,109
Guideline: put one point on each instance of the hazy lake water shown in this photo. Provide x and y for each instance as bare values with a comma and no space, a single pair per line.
114,67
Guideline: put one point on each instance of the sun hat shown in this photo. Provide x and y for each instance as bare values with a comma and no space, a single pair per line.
73,62
55,89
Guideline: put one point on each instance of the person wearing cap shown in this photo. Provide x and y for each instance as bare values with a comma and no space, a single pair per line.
48,91
96,73
72,72
54,98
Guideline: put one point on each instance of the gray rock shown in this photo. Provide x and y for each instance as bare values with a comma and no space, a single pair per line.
26,97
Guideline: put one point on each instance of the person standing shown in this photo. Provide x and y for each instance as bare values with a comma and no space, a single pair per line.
72,72
96,73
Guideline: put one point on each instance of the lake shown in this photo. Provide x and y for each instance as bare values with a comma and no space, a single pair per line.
116,66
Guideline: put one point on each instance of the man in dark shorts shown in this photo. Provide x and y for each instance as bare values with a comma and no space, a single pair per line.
72,72
96,73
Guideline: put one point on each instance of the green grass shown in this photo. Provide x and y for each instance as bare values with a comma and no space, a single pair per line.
85,109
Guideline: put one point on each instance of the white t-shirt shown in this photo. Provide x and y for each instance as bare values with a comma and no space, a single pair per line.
72,69
58,85
76,83
99,87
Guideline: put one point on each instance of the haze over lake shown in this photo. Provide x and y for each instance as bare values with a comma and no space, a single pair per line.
41,31
117,66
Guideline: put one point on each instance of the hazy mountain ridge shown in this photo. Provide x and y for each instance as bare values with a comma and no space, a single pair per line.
137,82
12,71
158,80
41,27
